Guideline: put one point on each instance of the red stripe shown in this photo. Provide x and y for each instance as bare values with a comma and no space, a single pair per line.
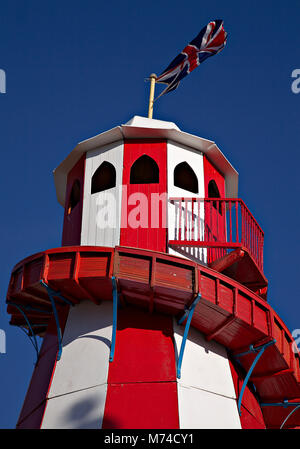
72,221
35,401
142,387
149,237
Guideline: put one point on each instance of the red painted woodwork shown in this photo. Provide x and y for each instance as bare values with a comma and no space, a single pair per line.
141,406
35,401
144,348
215,213
277,415
153,235
228,312
142,378
251,414
72,221
242,230
242,233
211,173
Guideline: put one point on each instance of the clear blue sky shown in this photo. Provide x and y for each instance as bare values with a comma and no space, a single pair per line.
77,68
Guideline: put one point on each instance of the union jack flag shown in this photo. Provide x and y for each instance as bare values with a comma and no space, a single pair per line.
210,41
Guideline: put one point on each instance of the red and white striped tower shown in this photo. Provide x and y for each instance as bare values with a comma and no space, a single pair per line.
154,310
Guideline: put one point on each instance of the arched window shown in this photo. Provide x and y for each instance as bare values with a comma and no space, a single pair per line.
144,171
185,177
104,178
74,196
213,192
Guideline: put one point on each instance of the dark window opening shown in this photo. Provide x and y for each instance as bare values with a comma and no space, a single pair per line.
144,171
185,178
104,178
213,192
74,196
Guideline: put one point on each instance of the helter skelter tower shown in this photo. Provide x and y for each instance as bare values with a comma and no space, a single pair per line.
154,310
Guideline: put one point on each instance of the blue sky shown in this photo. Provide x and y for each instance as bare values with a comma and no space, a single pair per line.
75,69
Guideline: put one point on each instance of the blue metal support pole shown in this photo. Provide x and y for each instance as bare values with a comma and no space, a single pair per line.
51,294
260,349
290,414
34,341
115,316
189,314
284,404
280,404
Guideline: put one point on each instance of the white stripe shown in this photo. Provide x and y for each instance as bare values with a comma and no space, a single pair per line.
81,374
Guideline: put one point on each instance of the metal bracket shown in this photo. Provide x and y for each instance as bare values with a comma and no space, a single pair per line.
284,404
31,337
260,349
51,294
115,317
189,315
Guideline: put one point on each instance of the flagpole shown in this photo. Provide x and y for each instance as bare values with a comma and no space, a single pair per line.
152,78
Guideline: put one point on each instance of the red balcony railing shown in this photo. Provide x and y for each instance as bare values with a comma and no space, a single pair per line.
218,224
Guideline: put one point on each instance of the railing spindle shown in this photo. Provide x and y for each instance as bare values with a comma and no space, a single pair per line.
185,219
199,220
237,220
193,235
218,227
230,223
243,224
180,218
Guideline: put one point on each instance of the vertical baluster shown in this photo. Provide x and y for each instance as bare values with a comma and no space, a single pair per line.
243,224
254,249
237,221
185,218
193,230
225,222
251,233
180,218
248,231
222,227
211,252
255,241
252,240
259,249
256,244
244,227
262,249
199,220
218,229
254,234
210,227
230,222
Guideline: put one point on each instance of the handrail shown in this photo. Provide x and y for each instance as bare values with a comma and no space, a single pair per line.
218,224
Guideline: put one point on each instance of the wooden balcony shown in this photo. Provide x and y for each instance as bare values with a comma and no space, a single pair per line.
231,238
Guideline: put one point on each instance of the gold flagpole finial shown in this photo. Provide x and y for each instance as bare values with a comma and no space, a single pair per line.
152,78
